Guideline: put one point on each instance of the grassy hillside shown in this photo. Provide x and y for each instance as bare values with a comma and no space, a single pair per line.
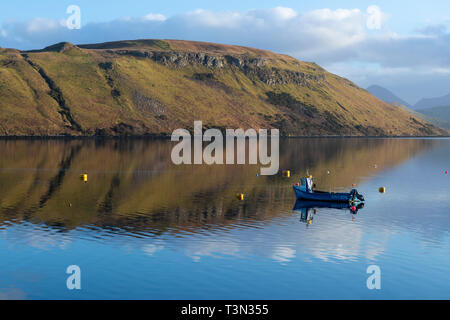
154,86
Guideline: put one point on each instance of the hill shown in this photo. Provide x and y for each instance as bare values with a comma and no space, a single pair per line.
387,96
152,87
429,117
442,114
433,102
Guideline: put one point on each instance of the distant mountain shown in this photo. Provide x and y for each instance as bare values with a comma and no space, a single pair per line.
440,116
152,87
386,95
432,116
430,110
433,102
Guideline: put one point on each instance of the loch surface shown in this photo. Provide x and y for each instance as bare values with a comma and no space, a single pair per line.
144,228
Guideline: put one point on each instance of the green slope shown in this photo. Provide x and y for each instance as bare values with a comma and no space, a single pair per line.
156,86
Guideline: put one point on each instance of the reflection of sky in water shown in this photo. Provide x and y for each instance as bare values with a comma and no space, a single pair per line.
405,232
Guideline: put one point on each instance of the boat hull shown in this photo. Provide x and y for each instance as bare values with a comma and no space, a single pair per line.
322,196
306,204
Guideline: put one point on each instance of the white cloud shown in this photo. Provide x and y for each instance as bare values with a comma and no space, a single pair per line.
326,15
444,71
155,17
284,13
40,25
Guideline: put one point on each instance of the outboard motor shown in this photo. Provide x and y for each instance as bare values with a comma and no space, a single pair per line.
355,195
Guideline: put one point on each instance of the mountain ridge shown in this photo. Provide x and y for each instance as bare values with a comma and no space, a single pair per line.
427,103
441,114
152,87
386,95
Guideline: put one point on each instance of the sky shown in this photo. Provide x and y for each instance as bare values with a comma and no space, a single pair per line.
401,45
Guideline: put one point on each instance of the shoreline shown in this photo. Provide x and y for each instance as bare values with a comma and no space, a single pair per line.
167,137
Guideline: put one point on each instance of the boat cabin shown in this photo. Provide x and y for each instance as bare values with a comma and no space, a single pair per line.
306,184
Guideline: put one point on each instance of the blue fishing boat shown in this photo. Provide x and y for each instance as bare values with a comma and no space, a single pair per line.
305,191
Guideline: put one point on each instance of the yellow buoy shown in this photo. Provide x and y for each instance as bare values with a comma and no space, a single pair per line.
382,190
240,196
84,177
287,174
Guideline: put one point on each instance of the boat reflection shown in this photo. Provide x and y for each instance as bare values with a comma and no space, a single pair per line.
308,209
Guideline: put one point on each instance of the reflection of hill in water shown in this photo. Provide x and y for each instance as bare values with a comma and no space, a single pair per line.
133,184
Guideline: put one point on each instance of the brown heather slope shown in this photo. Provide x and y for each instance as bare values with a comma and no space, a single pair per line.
152,87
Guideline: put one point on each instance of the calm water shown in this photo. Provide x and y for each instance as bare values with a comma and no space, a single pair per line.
142,228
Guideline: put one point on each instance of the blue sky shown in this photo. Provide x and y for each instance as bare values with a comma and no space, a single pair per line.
408,52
